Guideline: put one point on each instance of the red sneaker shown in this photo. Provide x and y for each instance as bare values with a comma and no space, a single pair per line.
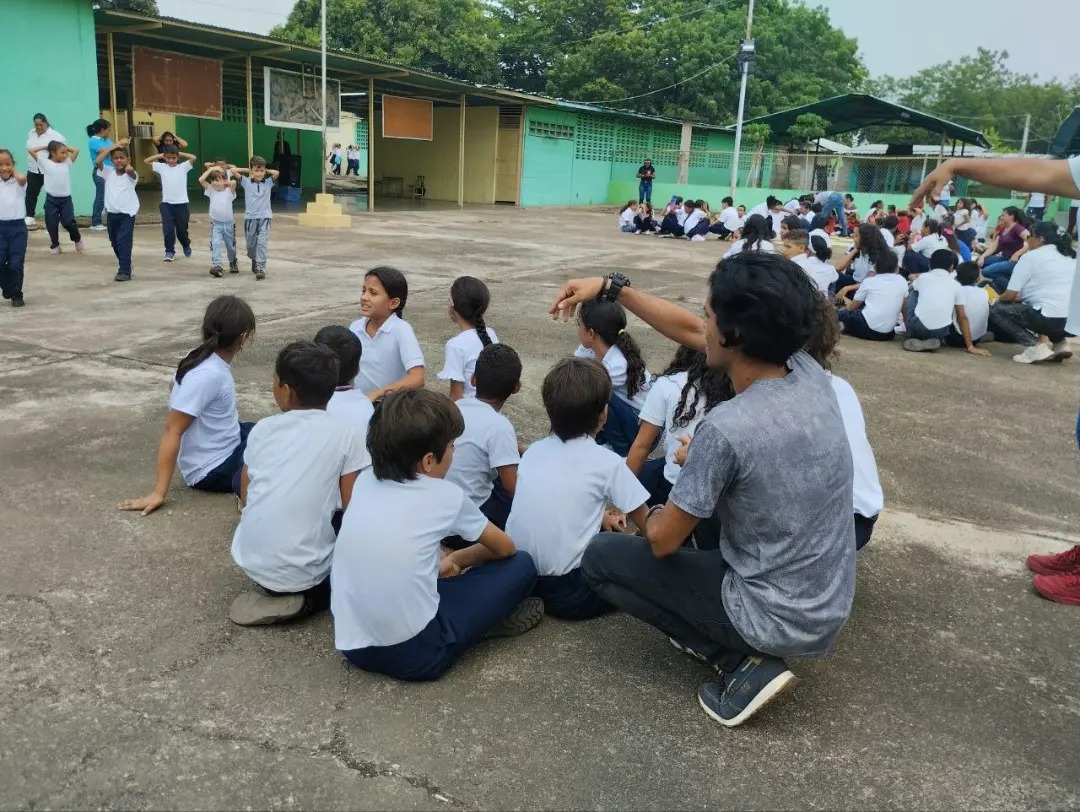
1059,564
1059,588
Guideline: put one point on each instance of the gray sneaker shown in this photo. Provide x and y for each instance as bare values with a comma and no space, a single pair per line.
921,344
756,682
256,609
524,618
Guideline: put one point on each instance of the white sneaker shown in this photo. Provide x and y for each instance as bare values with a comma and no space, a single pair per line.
1061,350
30,221
1034,354
98,228
697,238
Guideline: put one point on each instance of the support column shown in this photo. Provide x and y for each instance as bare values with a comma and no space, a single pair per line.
461,156
250,111
112,82
684,150
371,145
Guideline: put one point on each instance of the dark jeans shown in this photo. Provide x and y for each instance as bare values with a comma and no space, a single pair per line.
99,199
12,256
678,594
34,182
59,211
121,233
864,528
645,223
1071,227
843,280
621,427
469,605
226,477
915,328
1036,213
954,339
699,230
834,204
915,262
174,225
966,236
855,325
998,270
351,165
645,191
1020,323
721,229
653,479
569,597
336,167
670,225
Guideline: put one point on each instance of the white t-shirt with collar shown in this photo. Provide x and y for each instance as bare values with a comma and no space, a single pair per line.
57,180
295,461
12,199
387,355
961,219
860,266
976,306
120,195
730,219
615,363
562,490
821,272
882,296
386,559
354,407
777,217
938,294
208,394
929,244
1043,278
739,246
868,499
692,219
659,410
174,189
34,140
626,217
887,235
461,353
489,442
760,208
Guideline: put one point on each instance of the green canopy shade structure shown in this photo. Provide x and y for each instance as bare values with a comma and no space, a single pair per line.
1067,140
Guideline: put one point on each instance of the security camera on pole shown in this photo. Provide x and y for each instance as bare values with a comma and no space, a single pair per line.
745,59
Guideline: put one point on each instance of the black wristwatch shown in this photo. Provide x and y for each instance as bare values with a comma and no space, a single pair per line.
611,291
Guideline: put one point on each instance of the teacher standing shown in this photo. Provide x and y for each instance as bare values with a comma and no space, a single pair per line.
39,136
645,178
100,134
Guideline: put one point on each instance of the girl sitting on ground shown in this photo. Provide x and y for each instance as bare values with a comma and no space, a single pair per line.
643,220
469,299
755,237
626,217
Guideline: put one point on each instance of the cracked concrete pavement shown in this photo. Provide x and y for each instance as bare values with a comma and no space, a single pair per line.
125,686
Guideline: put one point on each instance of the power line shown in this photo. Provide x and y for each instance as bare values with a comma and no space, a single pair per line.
640,25
669,87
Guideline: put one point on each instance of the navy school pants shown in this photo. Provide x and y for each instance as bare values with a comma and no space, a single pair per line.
12,257
226,477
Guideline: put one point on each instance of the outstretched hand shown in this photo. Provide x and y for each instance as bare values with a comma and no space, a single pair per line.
573,293
145,504
932,184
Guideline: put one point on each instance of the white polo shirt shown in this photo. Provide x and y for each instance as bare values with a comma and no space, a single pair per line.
208,394
659,411
461,353
821,272
976,306
615,363
887,235
489,442
938,293
929,244
387,355
57,180
120,195
386,559
868,498
692,219
739,246
730,219
354,407
295,461
12,199
562,490
1037,201
1043,278
882,296
173,181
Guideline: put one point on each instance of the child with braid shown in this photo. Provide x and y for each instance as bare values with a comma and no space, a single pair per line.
469,299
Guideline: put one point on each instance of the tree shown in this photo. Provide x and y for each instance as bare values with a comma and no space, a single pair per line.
139,6
807,127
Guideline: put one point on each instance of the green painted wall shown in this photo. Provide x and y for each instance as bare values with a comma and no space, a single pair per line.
56,36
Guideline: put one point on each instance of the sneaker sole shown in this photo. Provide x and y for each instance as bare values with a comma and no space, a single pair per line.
524,618
254,609
687,650
1058,357
779,685
1067,601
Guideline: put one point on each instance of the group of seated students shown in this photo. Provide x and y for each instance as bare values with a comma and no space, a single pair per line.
417,517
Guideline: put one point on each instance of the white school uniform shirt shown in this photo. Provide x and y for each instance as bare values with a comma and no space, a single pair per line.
208,394
34,140
12,199
929,244
460,360
680,215
938,295
1043,278
120,195
488,442
861,266
692,219
659,410
822,273
940,212
57,180
868,499
173,181
739,246
383,585
295,461
615,363
792,206
882,297
1037,201
887,235
976,306
626,217
961,219
221,210
777,218
354,407
978,222
916,224
387,355
562,490
760,208
730,219
1075,204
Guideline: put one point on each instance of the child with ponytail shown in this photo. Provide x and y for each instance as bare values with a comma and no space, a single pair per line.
392,355
203,434
469,300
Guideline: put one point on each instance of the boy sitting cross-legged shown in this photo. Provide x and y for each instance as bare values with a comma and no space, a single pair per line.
398,608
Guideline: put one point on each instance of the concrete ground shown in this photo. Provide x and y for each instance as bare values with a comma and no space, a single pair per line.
124,685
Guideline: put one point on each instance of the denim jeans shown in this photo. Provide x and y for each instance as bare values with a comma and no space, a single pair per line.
855,325
915,328
834,204
1020,323
12,257
998,270
121,233
99,199
222,233
645,191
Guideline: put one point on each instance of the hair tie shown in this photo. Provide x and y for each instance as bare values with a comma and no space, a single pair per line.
621,332
1061,232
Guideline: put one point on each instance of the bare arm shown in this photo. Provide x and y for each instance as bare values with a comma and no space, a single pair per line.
492,544
168,450
345,485
1021,174
272,173
508,478
414,379
73,153
245,483
151,158
639,451
180,142
457,390
102,154
1009,296
668,528
965,332
202,178
187,156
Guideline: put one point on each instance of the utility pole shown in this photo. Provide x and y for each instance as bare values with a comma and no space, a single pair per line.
1027,129
322,162
745,58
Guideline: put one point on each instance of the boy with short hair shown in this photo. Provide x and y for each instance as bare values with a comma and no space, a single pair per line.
297,466
928,309
486,455
220,189
398,608
121,204
175,216
565,481
971,312
347,402
257,182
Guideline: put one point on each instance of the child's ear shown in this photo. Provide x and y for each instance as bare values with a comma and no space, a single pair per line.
517,387
395,303
603,419
427,463
472,381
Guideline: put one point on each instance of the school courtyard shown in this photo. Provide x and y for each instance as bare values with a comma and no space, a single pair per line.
123,685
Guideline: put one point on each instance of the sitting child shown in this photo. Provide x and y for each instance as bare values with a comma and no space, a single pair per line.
469,300
643,220
873,311
347,402
812,254
928,311
971,313
486,455
297,466
626,217
398,608
564,483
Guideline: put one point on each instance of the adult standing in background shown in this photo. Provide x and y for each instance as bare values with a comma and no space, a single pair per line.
39,136
645,178
100,135
283,162
833,203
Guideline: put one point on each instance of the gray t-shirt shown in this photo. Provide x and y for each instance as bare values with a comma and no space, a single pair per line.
773,465
257,198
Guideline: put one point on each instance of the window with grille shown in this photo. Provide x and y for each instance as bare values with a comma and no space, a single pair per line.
699,143
236,112
360,133
595,138
545,129
666,146
632,142
510,118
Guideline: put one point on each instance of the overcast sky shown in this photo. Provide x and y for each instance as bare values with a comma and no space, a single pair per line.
894,38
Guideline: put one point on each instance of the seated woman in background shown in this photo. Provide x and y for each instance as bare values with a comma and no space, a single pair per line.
1007,246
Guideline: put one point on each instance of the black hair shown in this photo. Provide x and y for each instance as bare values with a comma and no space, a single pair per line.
700,380
967,273
678,200
877,204
227,321
310,370
346,346
172,135
1050,234
119,151
407,425
700,204
608,320
394,283
54,146
888,262
755,231
849,197
942,259
575,393
798,235
871,243
41,117
891,207
771,201
629,203
933,226
727,201
96,126
470,299
891,222
498,372
793,222
221,158
1015,213
257,162
764,304
817,208
4,151
170,149
821,247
